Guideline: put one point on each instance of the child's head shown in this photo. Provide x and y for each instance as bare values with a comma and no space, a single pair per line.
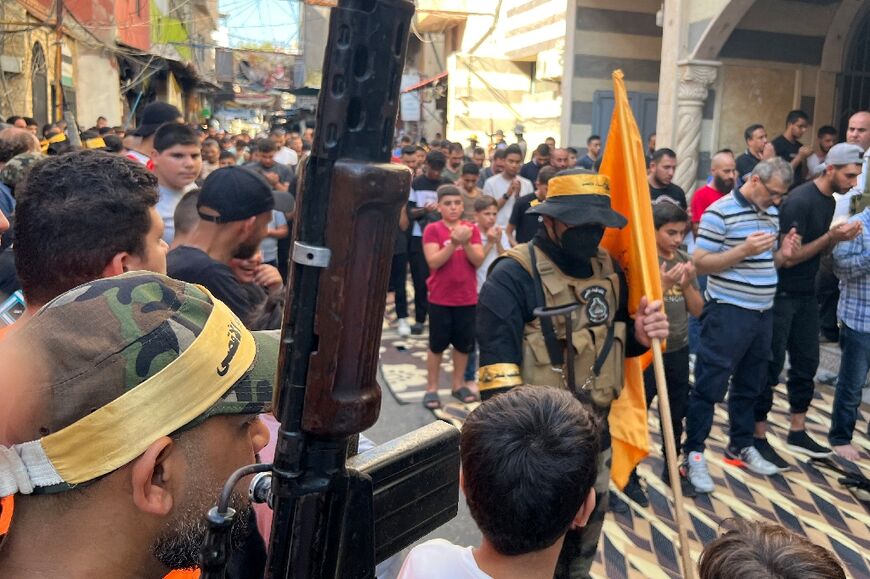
670,222
766,551
529,462
227,159
435,162
543,180
469,177
450,203
485,211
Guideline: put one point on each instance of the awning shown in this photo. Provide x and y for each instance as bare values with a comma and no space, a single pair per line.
426,82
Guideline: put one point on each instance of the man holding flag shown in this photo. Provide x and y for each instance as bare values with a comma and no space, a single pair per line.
564,265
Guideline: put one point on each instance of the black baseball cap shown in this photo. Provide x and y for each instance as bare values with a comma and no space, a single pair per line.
237,193
154,115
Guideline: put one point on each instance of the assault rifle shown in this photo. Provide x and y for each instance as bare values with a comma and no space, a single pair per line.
334,518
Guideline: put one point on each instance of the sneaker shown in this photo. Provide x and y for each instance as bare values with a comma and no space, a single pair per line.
404,327
800,442
417,329
634,491
695,470
750,458
687,488
767,453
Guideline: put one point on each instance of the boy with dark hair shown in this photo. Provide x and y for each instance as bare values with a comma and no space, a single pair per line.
508,186
280,177
523,225
154,116
682,297
593,151
528,468
114,228
227,159
467,183
789,148
453,251
177,161
496,166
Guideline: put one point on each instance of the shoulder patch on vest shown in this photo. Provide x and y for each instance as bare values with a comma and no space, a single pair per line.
597,310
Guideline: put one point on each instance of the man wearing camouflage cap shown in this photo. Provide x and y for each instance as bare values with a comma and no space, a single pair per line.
116,442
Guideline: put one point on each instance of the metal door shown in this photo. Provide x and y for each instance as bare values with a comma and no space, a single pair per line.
854,82
643,105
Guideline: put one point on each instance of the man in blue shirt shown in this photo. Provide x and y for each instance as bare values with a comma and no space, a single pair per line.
852,266
735,248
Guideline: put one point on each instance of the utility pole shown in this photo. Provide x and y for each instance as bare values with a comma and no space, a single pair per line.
58,65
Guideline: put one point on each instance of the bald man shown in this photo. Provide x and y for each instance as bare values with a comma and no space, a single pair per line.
723,169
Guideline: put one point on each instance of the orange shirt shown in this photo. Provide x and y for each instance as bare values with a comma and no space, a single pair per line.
6,504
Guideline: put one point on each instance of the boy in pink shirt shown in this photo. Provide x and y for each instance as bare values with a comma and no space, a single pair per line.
453,251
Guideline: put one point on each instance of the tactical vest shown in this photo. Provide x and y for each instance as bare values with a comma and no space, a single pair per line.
599,297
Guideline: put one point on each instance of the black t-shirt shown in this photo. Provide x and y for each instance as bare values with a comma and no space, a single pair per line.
195,266
673,191
530,171
788,151
745,164
809,211
526,223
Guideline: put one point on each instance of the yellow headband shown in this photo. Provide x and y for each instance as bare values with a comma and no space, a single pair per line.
95,143
58,138
578,184
120,431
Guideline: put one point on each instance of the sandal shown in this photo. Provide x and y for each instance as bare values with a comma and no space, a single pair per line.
464,395
431,401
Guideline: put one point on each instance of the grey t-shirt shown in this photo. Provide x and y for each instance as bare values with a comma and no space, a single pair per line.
675,307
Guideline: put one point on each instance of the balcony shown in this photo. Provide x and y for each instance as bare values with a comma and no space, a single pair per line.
440,15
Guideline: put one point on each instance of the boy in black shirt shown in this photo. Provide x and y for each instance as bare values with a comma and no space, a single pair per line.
790,149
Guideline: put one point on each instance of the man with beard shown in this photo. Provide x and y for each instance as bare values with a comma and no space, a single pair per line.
810,209
118,440
661,176
235,207
724,172
563,264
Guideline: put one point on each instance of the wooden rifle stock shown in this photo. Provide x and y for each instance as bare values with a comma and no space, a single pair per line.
347,217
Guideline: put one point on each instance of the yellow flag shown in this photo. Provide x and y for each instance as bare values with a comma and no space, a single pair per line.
634,247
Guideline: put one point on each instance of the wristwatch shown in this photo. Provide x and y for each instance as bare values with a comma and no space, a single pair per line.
506,196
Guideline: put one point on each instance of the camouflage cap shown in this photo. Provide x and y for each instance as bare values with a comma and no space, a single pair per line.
18,166
127,359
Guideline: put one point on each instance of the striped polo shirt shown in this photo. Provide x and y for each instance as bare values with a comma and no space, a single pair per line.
751,283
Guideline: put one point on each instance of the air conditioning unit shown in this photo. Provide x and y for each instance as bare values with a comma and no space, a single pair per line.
548,65
12,64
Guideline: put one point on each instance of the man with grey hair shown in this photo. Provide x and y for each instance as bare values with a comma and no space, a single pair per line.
737,249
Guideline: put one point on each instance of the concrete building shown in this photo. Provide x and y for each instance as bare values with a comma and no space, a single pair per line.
697,71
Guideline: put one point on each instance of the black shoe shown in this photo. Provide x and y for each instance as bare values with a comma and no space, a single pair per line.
634,491
685,485
800,442
417,329
767,453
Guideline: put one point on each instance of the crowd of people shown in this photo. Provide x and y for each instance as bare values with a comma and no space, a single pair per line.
127,253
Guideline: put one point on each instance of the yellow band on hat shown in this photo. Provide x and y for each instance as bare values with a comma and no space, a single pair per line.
95,143
578,184
120,431
499,376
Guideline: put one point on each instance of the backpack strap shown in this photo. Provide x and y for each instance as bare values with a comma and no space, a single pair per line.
554,349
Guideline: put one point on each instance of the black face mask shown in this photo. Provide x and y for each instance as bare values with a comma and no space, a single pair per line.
581,243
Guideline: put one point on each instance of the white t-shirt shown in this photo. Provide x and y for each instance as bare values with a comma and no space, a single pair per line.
286,156
497,186
489,258
440,559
